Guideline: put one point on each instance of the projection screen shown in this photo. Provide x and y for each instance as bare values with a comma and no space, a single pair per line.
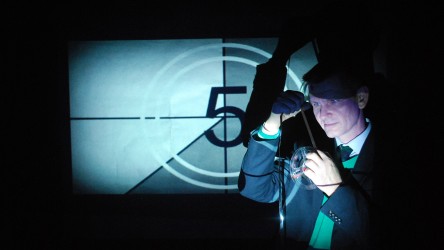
164,116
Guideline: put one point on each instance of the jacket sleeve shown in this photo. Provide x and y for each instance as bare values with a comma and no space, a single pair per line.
258,178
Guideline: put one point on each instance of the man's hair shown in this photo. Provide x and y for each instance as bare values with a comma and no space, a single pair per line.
331,80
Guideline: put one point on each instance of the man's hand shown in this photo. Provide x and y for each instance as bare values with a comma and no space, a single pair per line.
288,102
321,169
286,106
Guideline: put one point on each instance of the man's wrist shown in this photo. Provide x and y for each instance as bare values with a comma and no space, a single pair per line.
329,189
269,129
264,133
273,123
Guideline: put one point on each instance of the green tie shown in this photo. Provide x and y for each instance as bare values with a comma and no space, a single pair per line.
345,152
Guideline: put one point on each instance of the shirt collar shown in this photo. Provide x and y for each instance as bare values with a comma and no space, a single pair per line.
357,143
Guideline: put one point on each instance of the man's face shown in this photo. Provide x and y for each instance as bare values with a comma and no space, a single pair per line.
340,118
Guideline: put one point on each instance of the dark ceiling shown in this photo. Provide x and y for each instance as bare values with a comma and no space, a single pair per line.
158,19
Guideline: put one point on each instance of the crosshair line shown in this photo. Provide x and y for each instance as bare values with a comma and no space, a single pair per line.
193,117
106,118
149,117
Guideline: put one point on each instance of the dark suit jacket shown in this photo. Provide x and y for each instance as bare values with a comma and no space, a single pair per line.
348,207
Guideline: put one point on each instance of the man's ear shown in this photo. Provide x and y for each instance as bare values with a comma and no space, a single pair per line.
362,96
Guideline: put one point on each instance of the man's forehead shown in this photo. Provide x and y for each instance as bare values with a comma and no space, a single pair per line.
336,86
312,97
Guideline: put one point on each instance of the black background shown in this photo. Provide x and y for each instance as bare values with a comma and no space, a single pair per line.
40,210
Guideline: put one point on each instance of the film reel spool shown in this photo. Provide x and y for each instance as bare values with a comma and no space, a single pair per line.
297,166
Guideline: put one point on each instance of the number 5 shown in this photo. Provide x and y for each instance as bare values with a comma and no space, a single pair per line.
213,112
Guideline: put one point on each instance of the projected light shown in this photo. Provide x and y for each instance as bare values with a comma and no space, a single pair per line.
163,116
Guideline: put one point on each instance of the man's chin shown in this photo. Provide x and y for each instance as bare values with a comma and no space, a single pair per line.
330,134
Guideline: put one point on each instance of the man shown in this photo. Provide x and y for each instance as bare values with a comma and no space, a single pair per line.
333,204
344,209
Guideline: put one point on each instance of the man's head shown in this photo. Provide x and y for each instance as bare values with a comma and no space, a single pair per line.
338,94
